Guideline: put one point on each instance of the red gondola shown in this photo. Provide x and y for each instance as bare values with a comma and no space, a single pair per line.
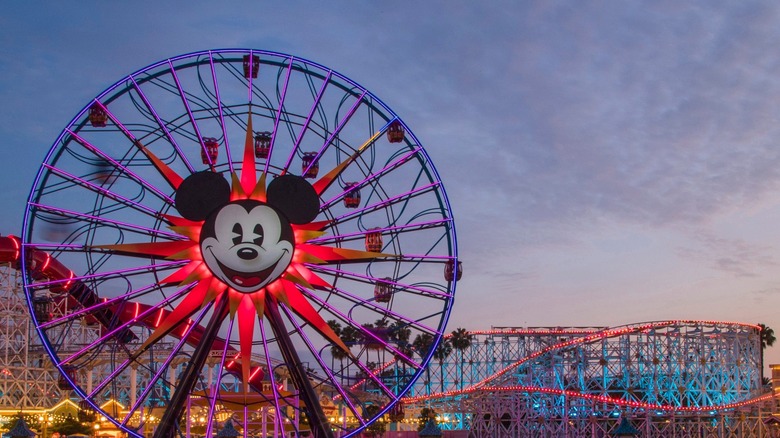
351,195
262,144
374,240
383,290
310,167
449,270
97,116
210,150
395,132
254,67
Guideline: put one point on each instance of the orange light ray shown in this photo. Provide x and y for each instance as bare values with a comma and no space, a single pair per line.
182,274
332,254
191,303
173,178
248,168
323,183
300,305
247,314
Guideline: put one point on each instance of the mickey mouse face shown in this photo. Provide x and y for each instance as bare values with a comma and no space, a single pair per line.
246,243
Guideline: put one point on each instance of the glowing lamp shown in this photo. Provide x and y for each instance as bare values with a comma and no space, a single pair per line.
452,274
351,195
97,116
374,240
262,144
310,166
383,290
251,68
395,132
210,150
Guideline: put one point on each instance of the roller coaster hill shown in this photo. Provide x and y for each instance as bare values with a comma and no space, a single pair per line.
677,378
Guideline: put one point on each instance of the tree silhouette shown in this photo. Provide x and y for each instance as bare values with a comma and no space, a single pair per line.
767,340
461,341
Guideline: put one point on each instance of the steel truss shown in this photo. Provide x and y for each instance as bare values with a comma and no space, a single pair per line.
670,378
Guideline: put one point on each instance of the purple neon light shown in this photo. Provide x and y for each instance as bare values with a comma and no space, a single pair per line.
305,125
120,224
187,106
101,305
140,400
399,229
105,192
279,114
221,114
389,201
159,122
112,274
127,324
336,131
251,72
271,377
374,176
218,383
107,380
322,364
118,165
338,272
356,324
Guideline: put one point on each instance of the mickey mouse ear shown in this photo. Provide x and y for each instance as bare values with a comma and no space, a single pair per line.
200,194
294,197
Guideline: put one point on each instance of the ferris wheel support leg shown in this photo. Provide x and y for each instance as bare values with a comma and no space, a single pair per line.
170,419
317,419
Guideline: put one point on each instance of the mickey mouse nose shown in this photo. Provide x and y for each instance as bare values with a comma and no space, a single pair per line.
247,253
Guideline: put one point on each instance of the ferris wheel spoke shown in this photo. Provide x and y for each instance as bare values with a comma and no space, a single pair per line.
221,111
162,126
404,197
114,331
271,377
166,363
118,273
116,224
320,361
279,112
102,191
360,235
367,334
336,132
100,154
373,176
215,395
105,304
171,177
372,280
185,102
305,126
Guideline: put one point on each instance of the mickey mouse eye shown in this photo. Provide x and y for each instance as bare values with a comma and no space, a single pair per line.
239,234
259,233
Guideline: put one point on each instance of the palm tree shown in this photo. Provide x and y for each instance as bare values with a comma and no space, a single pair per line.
335,351
767,340
443,351
422,345
461,341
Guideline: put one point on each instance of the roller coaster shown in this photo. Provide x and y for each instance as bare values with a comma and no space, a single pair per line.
676,378
667,378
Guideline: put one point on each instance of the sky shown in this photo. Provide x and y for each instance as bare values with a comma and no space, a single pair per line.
607,162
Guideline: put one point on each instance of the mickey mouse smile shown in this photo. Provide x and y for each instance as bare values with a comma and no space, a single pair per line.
241,278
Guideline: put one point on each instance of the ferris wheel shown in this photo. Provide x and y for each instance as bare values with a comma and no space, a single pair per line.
239,234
